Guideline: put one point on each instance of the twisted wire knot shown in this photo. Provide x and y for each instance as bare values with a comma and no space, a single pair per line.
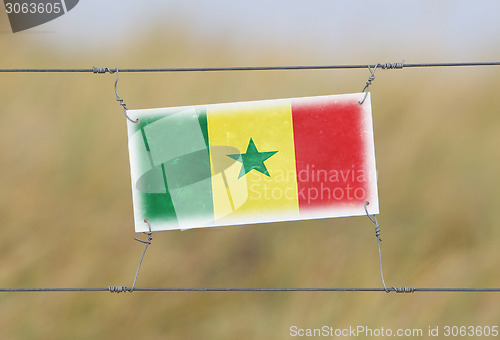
385,66
374,220
403,289
369,81
392,66
103,70
378,231
118,289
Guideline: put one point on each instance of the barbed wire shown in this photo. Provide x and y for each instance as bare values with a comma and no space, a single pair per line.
398,65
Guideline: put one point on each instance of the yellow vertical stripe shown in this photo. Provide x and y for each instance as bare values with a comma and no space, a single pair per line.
254,197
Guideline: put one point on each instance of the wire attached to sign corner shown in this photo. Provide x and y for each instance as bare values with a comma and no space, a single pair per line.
377,234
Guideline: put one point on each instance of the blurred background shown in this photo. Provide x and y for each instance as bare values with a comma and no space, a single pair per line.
65,197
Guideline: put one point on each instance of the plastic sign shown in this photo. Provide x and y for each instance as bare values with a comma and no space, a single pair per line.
252,162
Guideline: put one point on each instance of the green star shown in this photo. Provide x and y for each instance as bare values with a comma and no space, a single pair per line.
252,160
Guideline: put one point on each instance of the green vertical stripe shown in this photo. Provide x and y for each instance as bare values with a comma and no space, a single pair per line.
178,187
202,118
145,140
155,200
164,177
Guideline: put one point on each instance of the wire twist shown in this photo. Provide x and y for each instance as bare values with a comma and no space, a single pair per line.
120,100
117,289
385,66
374,220
122,289
147,242
377,235
102,70
368,83
392,66
404,289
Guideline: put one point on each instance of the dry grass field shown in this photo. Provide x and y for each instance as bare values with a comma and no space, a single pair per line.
66,207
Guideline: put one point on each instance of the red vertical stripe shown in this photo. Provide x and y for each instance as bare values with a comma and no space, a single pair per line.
330,153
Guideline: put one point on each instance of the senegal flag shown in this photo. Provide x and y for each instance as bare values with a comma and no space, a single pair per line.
252,162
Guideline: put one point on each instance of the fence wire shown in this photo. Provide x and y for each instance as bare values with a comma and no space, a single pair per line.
397,65
124,289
